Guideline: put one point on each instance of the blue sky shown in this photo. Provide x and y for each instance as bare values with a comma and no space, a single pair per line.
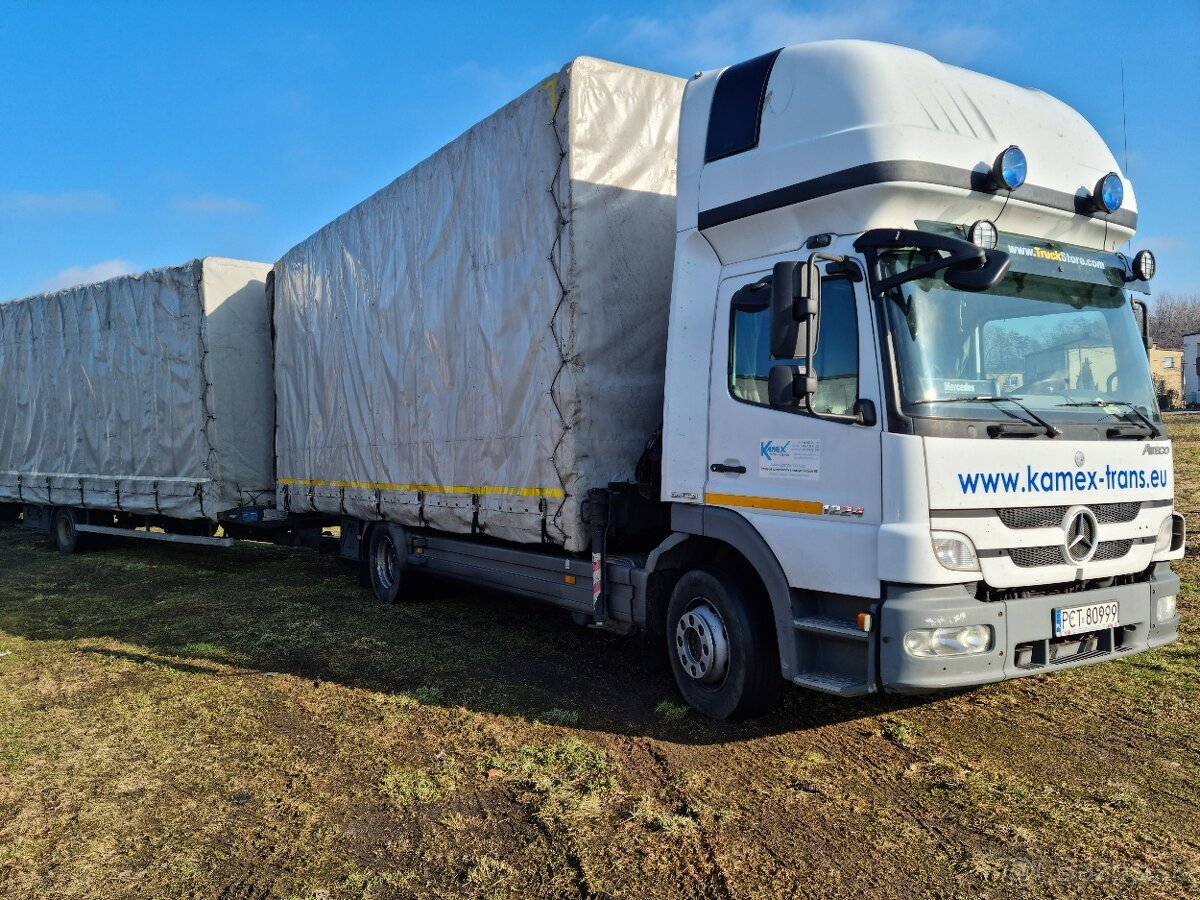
136,135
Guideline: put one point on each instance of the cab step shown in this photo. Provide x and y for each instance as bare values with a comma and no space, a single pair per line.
829,683
827,626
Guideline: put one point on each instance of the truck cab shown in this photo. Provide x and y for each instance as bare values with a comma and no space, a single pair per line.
907,387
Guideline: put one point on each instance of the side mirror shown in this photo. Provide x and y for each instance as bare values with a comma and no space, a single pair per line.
795,304
789,387
971,277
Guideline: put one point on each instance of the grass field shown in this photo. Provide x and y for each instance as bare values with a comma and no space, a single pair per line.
250,724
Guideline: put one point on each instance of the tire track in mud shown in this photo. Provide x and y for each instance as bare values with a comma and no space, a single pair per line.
659,767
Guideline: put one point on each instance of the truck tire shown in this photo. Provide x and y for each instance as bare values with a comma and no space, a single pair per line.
63,536
722,646
387,565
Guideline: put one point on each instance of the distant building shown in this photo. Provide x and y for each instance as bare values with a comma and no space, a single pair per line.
1167,368
1191,372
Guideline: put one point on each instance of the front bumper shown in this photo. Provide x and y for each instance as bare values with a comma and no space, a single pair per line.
1024,641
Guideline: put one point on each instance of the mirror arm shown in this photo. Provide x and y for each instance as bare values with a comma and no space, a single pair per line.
1140,305
863,411
963,254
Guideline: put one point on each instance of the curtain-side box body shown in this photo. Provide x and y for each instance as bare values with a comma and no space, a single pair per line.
146,393
483,340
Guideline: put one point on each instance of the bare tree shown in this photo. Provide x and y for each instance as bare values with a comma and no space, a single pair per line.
1172,316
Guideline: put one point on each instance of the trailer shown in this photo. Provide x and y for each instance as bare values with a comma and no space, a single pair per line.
140,406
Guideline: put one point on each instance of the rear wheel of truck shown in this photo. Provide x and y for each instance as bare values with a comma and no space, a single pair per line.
386,564
63,535
722,646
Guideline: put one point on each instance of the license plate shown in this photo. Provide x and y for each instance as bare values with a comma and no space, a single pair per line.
1081,619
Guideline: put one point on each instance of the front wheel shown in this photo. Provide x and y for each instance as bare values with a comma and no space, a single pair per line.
722,646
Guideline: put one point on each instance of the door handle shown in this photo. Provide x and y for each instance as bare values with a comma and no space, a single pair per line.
721,467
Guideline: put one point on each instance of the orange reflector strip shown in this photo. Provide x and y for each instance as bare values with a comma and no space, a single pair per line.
569,579
808,507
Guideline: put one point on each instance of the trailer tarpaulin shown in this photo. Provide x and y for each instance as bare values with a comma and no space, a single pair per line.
146,393
483,340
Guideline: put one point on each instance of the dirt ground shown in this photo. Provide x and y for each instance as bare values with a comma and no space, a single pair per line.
250,724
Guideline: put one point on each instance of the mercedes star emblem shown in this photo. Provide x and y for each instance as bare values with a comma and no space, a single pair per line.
1080,525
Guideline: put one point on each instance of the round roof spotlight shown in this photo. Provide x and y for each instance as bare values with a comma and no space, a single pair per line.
1109,193
1010,168
983,234
1144,265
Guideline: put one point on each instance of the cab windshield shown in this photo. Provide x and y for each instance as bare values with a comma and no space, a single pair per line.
1034,349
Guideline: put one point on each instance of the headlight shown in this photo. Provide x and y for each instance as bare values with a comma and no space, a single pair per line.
955,551
964,640
1162,543
1164,608
1144,265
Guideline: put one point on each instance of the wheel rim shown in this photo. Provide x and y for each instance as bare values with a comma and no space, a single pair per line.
63,531
702,643
386,563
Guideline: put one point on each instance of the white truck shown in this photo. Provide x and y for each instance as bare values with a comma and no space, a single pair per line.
818,272
748,363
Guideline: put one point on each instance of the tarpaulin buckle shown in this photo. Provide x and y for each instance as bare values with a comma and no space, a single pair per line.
476,527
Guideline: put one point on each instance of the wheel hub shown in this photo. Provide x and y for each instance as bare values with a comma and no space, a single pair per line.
702,643
386,563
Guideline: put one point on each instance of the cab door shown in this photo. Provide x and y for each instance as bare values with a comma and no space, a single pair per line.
810,486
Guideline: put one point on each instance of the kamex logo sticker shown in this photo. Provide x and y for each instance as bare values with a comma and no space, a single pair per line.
789,458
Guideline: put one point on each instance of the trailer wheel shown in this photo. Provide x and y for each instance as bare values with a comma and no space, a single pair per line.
386,562
63,535
722,646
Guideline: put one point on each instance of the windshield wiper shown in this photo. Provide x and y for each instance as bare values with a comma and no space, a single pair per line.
1153,431
1051,431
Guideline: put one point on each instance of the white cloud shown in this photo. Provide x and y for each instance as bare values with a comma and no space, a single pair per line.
719,34
215,205
55,203
101,271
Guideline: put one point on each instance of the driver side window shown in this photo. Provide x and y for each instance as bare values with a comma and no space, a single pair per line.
835,360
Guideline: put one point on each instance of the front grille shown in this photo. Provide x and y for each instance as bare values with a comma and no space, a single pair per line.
1116,513
1052,516
1032,557
1112,549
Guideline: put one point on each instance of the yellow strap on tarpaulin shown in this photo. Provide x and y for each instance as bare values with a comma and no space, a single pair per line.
431,488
